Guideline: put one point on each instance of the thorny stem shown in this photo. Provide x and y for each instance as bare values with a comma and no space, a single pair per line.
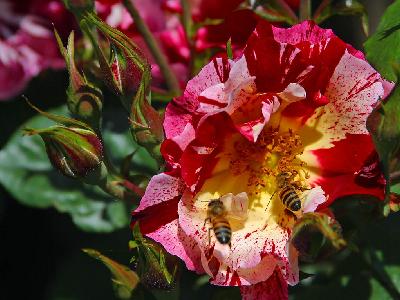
290,13
380,274
154,48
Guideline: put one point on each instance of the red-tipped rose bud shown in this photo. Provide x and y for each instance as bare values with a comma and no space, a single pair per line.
126,68
72,147
72,150
85,101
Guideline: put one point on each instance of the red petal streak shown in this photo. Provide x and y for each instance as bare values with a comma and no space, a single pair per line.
153,217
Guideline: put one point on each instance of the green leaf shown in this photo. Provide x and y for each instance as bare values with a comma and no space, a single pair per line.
383,47
124,279
384,125
27,174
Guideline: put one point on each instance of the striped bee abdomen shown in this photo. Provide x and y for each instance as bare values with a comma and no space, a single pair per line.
290,198
222,230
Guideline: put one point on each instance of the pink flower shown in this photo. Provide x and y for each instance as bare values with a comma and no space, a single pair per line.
27,44
290,112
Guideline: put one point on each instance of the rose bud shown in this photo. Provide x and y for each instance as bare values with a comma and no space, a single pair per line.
127,66
72,150
72,146
85,101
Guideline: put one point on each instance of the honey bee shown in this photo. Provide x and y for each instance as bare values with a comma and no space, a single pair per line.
288,191
216,215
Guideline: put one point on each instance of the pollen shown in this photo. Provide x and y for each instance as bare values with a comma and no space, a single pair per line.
274,153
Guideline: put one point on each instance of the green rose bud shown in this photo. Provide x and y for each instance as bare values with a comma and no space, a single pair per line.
85,101
72,150
155,267
72,146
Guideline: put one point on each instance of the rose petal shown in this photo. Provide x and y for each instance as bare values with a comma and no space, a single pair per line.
314,197
293,92
275,288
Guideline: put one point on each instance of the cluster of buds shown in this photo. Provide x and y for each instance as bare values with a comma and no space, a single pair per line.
74,146
127,74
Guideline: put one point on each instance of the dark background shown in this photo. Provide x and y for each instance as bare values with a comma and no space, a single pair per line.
40,250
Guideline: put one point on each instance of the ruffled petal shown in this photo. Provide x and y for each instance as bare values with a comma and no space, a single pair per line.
353,91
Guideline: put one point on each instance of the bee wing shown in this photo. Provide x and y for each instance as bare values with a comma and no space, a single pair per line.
236,206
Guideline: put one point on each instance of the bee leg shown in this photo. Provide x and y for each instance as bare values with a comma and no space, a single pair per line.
205,221
209,237
270,199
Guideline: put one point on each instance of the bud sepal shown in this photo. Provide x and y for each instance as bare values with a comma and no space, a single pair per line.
155,267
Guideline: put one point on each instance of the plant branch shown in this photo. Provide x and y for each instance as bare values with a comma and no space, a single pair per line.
160,58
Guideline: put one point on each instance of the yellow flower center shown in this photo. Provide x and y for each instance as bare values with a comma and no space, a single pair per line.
261,170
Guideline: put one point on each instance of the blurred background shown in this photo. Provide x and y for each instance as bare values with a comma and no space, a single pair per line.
40,249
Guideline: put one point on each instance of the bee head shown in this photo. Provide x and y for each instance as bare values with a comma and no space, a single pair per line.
216,206
284,178
214,202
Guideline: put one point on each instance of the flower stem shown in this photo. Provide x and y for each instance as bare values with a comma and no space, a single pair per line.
379,273
160,58
186,19
187,25
318,18
305,10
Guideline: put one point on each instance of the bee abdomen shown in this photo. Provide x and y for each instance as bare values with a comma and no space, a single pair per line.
222,230
290,198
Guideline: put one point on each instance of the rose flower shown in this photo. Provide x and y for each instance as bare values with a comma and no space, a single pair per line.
276,134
